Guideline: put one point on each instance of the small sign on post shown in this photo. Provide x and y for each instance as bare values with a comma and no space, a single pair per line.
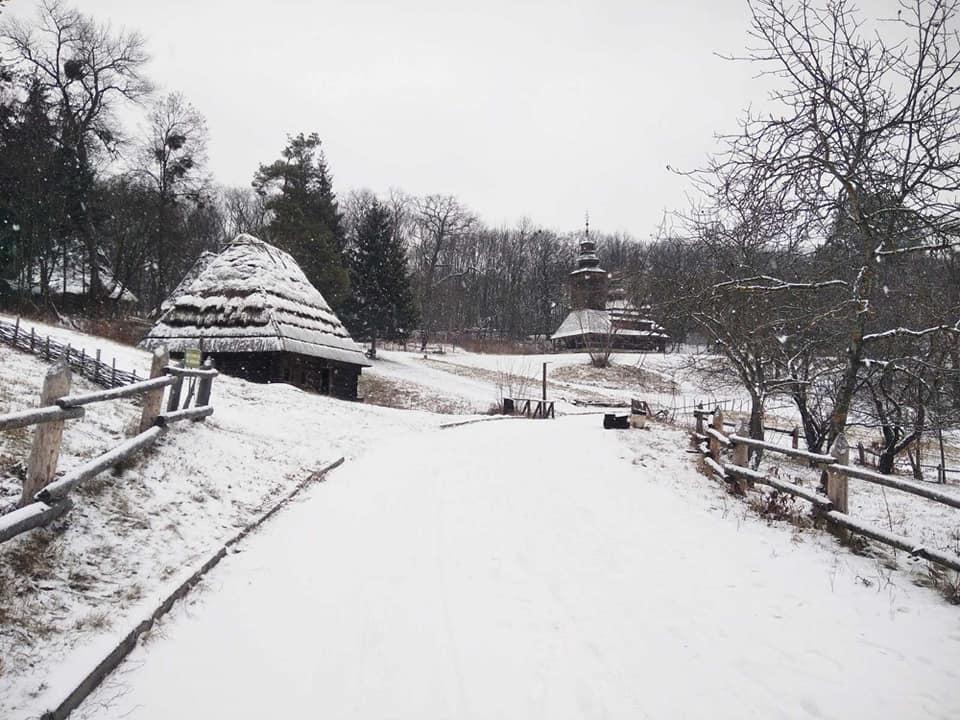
192,358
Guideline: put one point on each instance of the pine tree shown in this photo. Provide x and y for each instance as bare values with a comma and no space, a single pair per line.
306,220
381,305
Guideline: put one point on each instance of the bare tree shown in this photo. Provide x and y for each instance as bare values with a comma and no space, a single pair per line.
865,127
440,221
244,211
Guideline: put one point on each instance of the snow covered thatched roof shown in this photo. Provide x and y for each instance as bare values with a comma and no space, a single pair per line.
251,298
199,265
598,322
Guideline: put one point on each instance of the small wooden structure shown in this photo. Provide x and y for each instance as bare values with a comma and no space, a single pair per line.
254,312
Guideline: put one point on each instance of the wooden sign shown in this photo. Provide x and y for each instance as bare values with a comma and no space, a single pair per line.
192,358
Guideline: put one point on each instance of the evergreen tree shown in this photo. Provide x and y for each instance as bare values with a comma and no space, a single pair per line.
381,305
32,178
306,221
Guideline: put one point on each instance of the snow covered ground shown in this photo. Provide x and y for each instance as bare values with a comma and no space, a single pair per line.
507,569
69,593
540,570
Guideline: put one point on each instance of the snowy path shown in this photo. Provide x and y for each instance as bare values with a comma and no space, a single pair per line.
497,571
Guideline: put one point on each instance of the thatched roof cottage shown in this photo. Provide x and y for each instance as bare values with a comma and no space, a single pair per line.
254,312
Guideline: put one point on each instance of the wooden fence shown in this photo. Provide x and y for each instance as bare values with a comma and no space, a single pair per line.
89,366
529,407
46,497
712,441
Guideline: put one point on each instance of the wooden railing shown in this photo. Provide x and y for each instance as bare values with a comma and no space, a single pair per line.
529,407
712,442
89,366
46,497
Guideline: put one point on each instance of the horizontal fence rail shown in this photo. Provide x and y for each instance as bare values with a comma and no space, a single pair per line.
710,441
45,497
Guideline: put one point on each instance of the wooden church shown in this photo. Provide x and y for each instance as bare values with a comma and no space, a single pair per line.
603,317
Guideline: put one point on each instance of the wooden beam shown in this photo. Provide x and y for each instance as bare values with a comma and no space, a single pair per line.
45,452
154,398
914,548
124,391
38,416
196,413
837,481
125,450
801,454
908,486
206,371
31,516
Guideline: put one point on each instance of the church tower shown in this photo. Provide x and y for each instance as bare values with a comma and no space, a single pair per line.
588,283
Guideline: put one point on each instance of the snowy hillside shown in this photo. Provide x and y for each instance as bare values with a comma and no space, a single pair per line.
506,569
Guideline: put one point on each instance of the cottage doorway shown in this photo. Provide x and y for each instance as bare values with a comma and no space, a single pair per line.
325,381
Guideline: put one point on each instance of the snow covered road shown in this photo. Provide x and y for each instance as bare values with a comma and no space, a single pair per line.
523,569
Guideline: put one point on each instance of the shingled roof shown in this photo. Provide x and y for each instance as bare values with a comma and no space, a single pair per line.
252,298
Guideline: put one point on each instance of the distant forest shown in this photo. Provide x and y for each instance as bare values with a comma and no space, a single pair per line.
128,213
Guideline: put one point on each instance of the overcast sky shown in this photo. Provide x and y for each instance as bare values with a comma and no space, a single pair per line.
543,109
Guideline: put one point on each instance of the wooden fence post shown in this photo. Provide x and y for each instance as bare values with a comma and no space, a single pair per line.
173,399
33,338
153,399
795,438
205,386
741,454
96,367
714,443
45,452
16,331
48,347
837,482
113,373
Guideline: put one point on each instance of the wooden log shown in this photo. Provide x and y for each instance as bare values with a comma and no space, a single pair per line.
96,367
31,516
153,399
38,416
713,433
33,339
837,481
795,438
195,413
206,371
716,433
206,385
761,479
911,546
45,452
801,454
173,397
123,451
907,486
741,455
124,391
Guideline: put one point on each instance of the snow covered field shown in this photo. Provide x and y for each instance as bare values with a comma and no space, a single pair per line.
539,570
508,569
